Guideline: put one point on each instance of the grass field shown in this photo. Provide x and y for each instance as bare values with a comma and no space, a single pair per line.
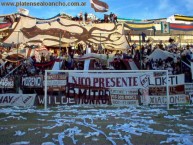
95,125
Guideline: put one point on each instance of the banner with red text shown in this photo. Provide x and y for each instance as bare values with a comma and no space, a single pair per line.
106,88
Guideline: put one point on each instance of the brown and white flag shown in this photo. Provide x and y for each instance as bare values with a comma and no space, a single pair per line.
99,6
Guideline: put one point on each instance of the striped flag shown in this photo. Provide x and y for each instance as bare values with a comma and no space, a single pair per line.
99,6
10,18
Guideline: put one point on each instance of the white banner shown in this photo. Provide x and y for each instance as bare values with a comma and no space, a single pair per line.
55,80
122,100
24,100
110,80
173,80
6,83
124,97
34,81
161,100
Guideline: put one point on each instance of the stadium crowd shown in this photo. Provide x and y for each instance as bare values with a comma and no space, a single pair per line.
178,64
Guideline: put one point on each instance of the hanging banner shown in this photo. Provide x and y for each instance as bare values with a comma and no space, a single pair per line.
188,88
23,100
173,99
54,100
183,18
56,82
161,91
157,90
7,82
165,27
111,80
5,25
124,97
139,26
181,27
32,82
102,88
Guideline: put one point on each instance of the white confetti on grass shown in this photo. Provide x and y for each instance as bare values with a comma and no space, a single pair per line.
172,117
41,119
31,129
42,114
181,139
89,134
46,135
13,117
138,124
185,126
48,143
19,133
70,132
21,143
95,139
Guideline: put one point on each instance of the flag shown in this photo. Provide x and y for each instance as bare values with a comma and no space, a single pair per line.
23,11
12,18
99,6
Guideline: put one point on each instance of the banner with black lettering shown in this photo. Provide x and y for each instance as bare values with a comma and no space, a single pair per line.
23,100
102,88
158,93
173,80
111,80
124,97
54,100
173,99
32,82
56,82
7,82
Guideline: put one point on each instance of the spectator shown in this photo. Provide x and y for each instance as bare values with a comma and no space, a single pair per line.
42,58
86,15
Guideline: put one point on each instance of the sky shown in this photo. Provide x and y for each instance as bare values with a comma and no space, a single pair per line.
131,9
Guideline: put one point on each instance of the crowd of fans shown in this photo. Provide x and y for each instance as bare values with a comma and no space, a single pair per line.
84,18
176,65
